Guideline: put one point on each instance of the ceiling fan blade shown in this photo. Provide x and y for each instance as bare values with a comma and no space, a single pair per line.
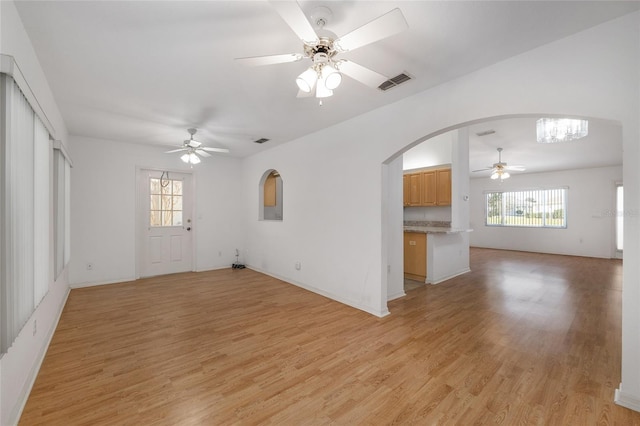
383,26
362,74
294,17
202,152
192,143
176,150
482,170
256,61
515,168
207,148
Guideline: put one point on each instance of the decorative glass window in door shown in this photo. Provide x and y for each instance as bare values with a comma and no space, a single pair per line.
165,208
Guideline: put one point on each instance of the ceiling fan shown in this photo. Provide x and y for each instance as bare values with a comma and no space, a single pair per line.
500,170
192,149
322,48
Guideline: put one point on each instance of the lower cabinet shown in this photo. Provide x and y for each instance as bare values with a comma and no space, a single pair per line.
415,256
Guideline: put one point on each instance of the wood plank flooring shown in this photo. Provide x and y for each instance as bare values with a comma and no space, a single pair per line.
523,339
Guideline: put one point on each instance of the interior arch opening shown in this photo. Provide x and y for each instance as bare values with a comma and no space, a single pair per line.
592,163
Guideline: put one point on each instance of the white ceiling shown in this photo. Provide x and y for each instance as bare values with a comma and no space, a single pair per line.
144,72
517,136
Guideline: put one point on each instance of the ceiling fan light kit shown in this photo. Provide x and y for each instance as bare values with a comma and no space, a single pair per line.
500,174
500,169
194,149
554,130
325,73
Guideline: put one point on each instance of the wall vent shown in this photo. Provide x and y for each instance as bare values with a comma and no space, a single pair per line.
261,140
395,81
486,132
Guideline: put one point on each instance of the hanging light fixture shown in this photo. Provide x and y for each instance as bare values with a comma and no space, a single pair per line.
323,74
554,130
322,91
332,78
190,158
307,80
500,174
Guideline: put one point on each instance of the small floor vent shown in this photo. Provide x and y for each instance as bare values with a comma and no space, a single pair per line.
262,140
394,81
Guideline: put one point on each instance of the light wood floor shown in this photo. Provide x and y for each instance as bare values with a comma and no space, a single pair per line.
523,339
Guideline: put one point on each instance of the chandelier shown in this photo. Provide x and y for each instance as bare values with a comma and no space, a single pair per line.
553,130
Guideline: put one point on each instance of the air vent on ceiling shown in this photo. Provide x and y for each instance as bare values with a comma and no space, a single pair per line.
261,140
486,132
395,81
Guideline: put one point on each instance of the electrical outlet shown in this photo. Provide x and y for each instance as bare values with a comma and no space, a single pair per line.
298,266
219,254
35,327
89,266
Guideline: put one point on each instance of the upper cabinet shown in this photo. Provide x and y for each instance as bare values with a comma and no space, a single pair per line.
427,188
443,187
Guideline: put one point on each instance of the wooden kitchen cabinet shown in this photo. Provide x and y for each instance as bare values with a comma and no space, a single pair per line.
443,187
415,189
406,188
415,256
427,188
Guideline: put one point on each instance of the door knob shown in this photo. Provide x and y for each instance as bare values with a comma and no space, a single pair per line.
188,228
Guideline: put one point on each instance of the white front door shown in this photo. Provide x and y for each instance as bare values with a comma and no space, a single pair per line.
164,215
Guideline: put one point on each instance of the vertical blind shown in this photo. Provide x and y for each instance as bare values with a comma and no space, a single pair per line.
538,208
24,278
62,208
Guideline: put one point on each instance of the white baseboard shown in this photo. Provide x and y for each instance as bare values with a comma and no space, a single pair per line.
448,277
343,300
624,399
396,296
93,284
35,369
217,268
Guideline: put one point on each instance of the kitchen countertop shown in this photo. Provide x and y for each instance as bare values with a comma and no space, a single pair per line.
435,229
432,227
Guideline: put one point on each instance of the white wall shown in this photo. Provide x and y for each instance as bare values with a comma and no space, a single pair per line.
103,197
333,218
432,152
19,366
391,219
590,222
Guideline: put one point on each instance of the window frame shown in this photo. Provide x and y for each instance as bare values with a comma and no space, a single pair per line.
544,213
161,210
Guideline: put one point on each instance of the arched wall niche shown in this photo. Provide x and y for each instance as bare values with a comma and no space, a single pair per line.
271,196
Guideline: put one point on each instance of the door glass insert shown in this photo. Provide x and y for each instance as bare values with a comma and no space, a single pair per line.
165,206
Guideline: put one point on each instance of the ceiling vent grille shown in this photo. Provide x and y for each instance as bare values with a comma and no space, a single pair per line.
486,132
262,140
394,81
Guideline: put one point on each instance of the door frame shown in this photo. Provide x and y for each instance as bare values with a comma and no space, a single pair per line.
139,226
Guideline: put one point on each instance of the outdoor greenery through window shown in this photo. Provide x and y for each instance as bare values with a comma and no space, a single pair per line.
546,208
166,202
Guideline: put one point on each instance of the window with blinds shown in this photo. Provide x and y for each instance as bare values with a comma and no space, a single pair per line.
25,209
537,208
